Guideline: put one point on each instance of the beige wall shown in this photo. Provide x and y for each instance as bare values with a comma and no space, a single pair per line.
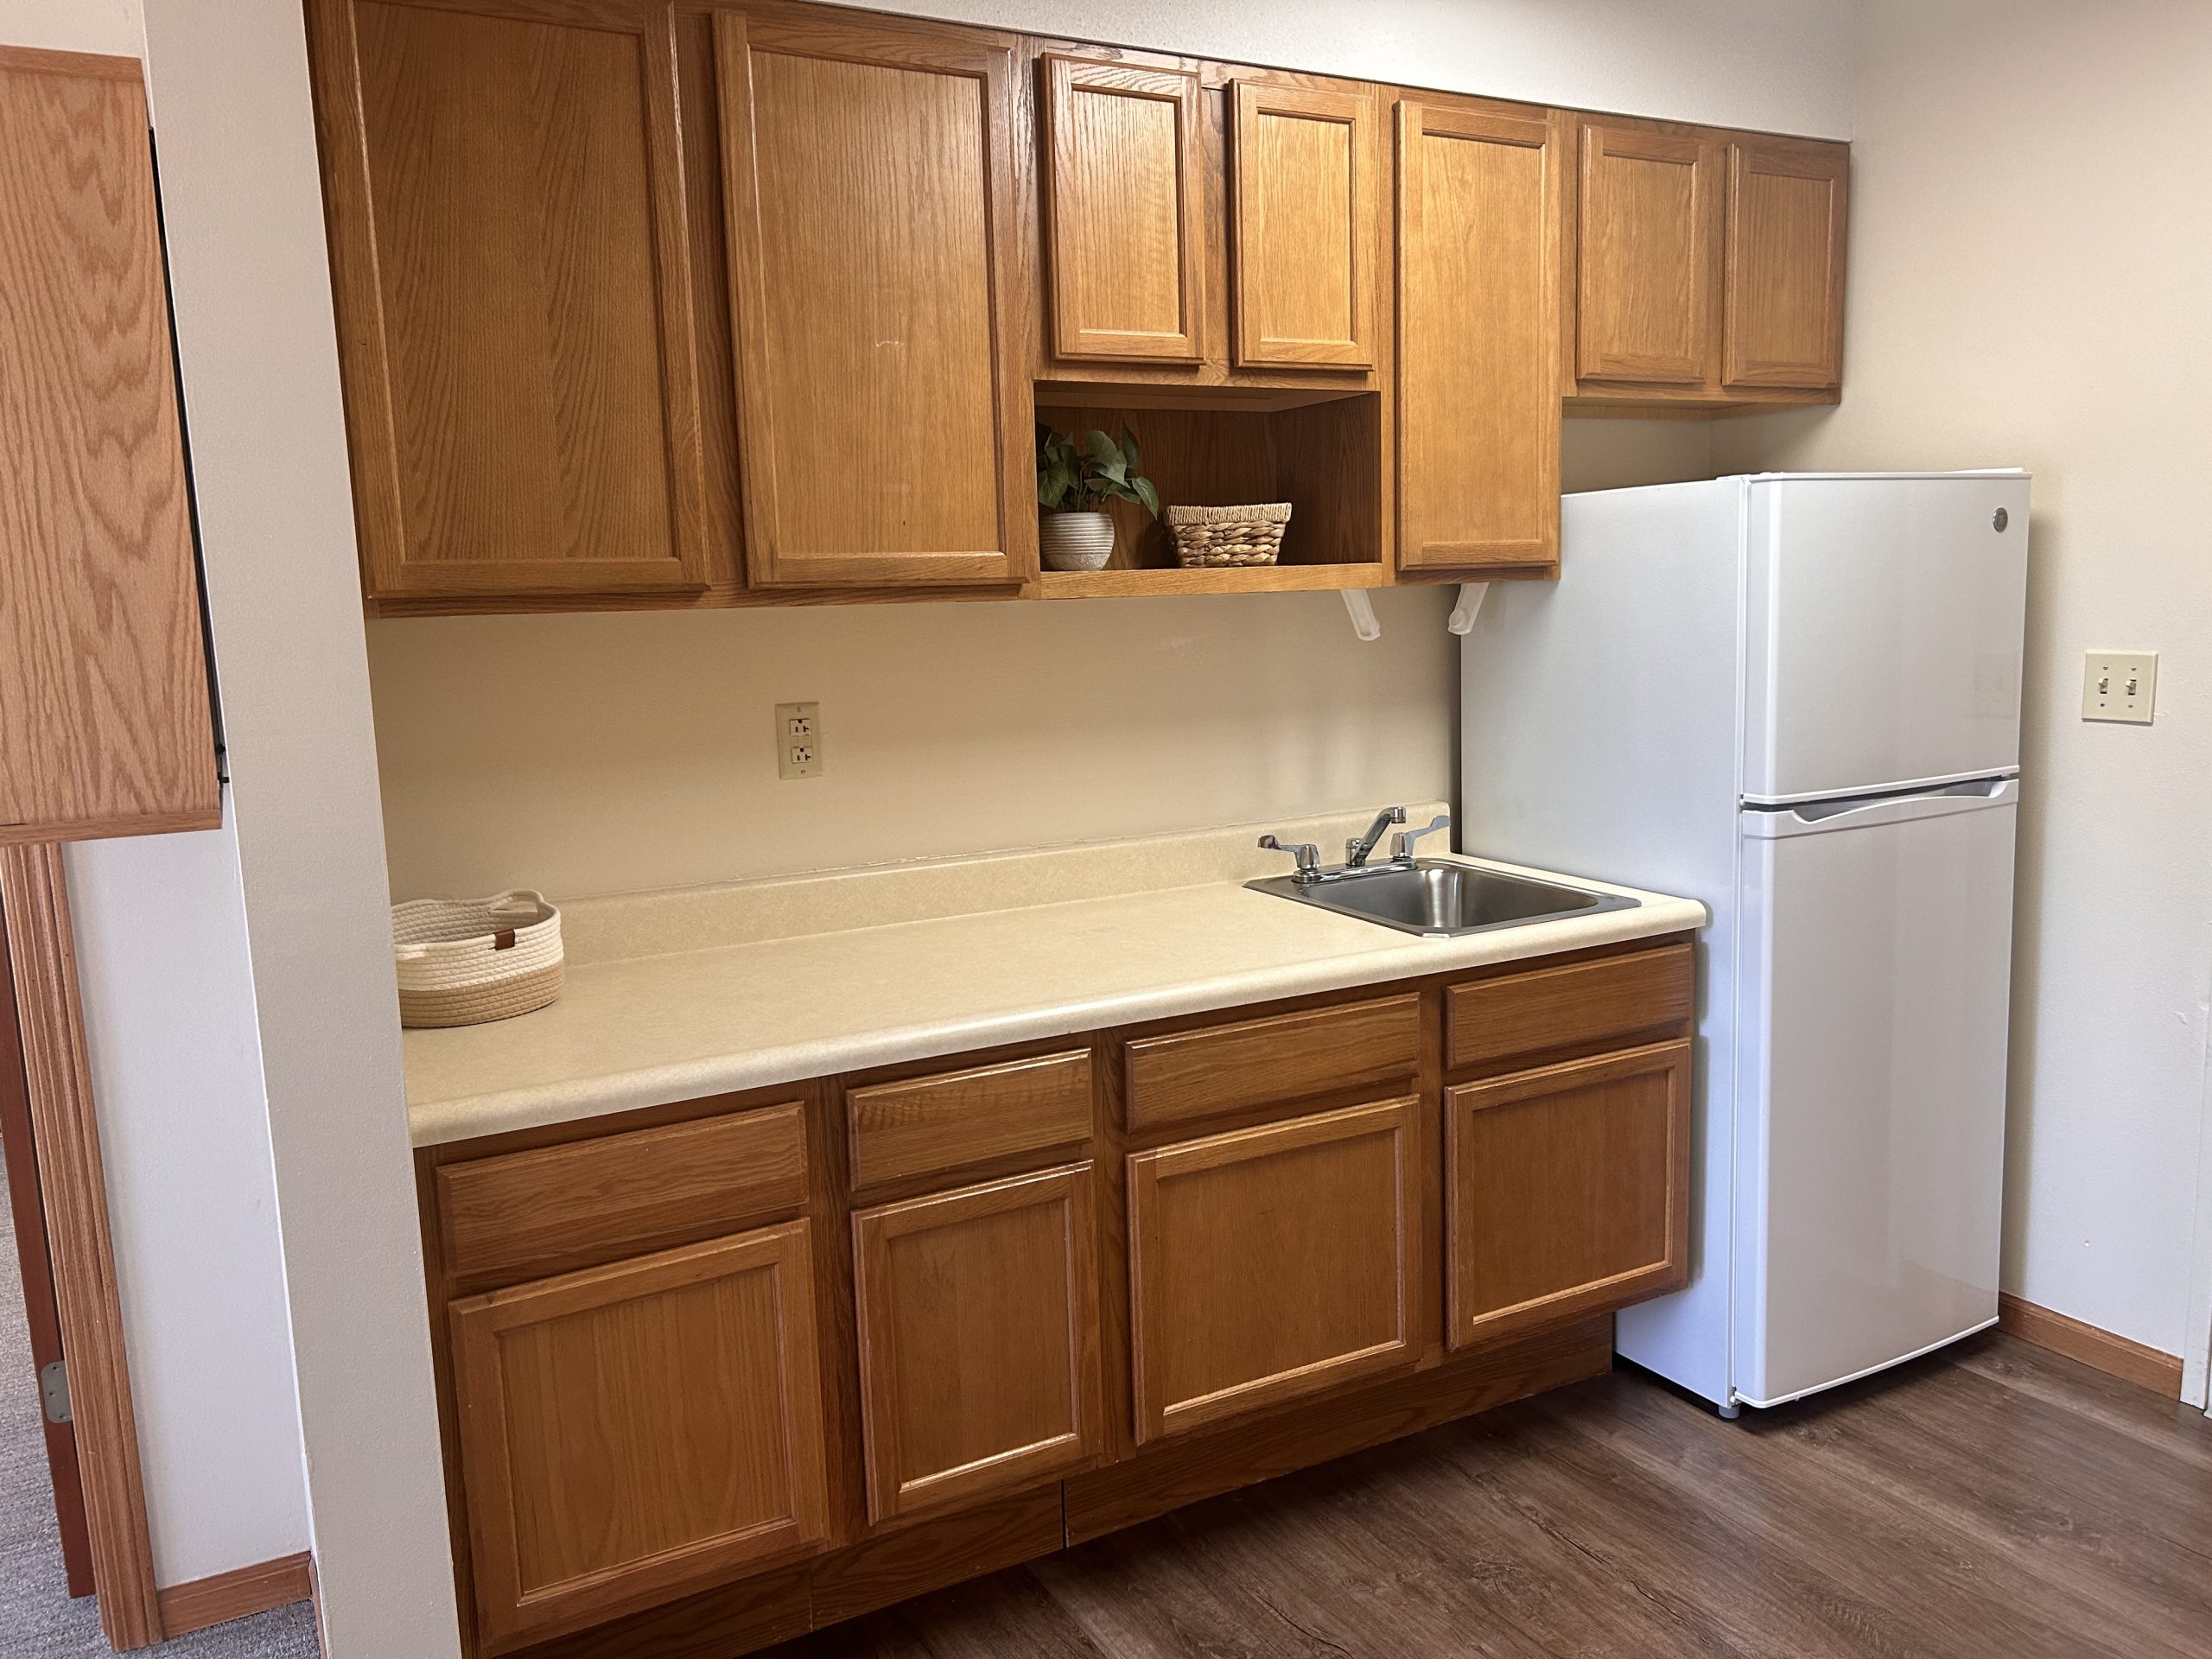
2031,280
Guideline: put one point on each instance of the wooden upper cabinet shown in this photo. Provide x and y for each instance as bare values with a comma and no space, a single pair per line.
1647,234
1307,182
1566,1190
632,1432
1273,1262
1479,353
883,407
105,724
509,256
978,1314
1123,195
1784,283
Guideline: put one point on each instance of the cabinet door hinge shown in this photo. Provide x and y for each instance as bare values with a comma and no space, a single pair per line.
53,1390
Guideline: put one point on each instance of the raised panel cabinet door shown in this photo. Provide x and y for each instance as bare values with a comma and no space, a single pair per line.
1307,168
1648,247
1566,1190
635,1431
1273,1262
978,1314
1785,242
105,724
509,260
883,420
1123,224
1478,351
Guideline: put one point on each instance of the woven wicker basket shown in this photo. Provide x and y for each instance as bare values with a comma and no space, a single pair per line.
462,962
1209,537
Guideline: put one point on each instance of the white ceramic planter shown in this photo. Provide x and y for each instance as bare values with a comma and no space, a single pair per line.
1075,541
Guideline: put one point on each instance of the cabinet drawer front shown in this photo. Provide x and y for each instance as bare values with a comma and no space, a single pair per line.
1494,1020
1568,1190
636,1430
925,1125
558,1207
1197,1074
978,1315
1272,1262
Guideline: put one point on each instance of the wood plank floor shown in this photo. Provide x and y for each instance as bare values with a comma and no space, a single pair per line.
1997,1501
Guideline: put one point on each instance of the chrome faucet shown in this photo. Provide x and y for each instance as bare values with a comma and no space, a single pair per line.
1304,852
1357,848
1402,844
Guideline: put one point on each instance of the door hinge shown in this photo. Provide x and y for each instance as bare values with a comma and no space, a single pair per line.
53,1390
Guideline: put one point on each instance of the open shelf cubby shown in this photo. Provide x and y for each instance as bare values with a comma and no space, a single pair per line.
1324,456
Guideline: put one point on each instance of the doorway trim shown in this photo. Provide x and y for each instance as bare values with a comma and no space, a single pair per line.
57,1070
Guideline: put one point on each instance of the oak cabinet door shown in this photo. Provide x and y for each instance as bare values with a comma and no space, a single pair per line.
635,1431
1273,1262
978,1314
1307,173
1568,1190
105,723
1784,314
884,434
1647,234
1123,195
510,265
1479,353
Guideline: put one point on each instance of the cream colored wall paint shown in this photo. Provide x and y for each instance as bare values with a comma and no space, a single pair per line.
588,754
2029,284
256,345
1780,65
1600,453
167,990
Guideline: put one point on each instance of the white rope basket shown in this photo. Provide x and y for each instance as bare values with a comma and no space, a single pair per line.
462,962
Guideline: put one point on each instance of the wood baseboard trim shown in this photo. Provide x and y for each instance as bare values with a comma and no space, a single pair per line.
2132,1362
238,1593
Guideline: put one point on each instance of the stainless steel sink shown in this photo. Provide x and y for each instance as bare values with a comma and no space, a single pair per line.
1443,900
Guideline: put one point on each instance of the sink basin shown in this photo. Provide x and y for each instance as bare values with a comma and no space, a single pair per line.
1444,900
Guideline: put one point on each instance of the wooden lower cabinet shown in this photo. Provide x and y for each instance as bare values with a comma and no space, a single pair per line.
1083,1283
1567,1190
1273,1262
978,1316
632,1432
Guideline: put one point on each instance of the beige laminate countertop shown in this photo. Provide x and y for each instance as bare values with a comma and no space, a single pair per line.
635,1031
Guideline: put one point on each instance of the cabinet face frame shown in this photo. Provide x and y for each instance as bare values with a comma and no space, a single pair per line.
1600,288
1255,253
1420,123
1467,1324
860,38
507,1616
1149,1172
365,354
890,1494
1749,270
1063,202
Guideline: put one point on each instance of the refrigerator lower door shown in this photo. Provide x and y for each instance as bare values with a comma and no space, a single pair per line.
1870,1116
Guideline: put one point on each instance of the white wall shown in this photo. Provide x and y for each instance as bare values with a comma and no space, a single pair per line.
251,285
167,990
1783,66
2030,276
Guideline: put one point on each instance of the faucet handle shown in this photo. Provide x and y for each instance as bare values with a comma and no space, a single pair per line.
1307,854
1402,844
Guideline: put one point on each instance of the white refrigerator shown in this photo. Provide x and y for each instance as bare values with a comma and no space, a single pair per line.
1795,697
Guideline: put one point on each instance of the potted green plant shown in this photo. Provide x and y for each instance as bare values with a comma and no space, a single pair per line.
1074,485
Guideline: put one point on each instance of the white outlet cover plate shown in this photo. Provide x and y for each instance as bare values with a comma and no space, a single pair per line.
2119,686
798,739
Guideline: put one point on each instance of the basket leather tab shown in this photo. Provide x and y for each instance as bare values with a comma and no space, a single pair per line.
504,939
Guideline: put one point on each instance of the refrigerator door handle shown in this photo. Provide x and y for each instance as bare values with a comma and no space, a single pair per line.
1817,817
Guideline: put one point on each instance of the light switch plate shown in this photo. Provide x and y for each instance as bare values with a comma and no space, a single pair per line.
798,739
2120,686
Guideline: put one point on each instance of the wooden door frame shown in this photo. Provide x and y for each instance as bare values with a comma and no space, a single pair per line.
57,1072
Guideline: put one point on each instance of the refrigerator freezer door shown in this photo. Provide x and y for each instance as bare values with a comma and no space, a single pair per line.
1871,1063
1883,619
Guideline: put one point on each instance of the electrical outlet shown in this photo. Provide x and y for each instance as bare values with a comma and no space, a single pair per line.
2120,685
798,739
